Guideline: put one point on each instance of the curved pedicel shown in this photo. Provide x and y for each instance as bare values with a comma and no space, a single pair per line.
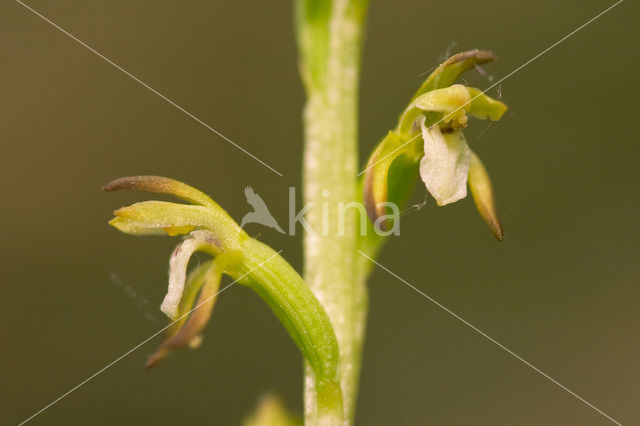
190,298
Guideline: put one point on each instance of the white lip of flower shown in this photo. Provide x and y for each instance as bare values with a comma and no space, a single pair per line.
178,269
444,169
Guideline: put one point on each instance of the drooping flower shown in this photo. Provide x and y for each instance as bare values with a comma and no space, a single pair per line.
206,227
429,141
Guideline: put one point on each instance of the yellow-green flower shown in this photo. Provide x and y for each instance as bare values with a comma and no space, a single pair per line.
206,227
429,141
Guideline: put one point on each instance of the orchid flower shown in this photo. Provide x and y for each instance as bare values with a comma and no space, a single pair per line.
429,141
206,227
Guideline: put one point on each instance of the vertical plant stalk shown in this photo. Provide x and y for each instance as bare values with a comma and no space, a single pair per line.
330,50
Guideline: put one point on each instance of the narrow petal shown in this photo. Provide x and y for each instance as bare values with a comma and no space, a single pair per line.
133,227
178,269
447,99
154,217
455,101
161,217
482,192
161,185
445,166
485,107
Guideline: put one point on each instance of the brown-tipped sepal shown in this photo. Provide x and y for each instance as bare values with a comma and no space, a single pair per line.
161,185
450,70
482,192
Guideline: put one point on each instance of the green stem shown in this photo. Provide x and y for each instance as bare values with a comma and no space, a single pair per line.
303,317
330,168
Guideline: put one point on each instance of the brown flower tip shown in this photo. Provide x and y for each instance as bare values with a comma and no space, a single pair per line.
161,185
482,192
475,56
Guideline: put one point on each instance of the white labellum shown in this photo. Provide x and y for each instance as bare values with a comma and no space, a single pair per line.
178,270
445,166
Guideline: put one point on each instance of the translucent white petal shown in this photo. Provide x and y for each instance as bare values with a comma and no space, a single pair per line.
178,269
445,165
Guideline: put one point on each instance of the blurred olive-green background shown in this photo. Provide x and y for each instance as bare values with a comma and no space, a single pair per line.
561,291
